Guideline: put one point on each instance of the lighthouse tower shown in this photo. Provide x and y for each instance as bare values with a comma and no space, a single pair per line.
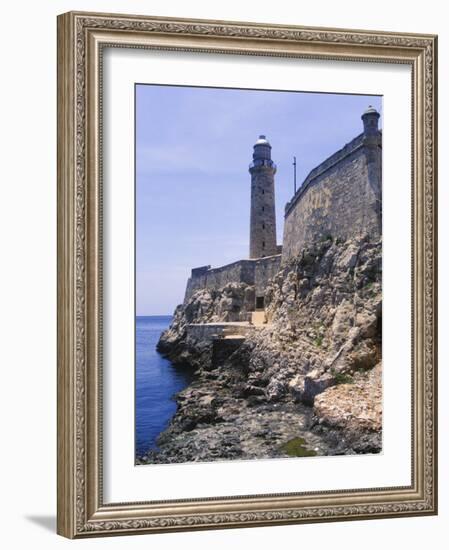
262,238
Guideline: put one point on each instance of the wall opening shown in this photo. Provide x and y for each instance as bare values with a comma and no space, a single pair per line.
260,302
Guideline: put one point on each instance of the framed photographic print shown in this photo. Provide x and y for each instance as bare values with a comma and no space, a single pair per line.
246,274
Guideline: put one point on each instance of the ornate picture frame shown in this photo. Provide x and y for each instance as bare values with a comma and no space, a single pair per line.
82,38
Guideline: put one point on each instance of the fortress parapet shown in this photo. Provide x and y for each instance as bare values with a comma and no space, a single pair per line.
255,273
197,271
342,196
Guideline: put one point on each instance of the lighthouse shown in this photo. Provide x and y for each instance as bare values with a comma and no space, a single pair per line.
262,239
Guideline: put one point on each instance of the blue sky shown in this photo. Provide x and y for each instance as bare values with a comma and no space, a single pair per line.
193,148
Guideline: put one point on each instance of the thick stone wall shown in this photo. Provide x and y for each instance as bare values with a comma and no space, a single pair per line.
341,198
265,269
209,331
251,272
214,279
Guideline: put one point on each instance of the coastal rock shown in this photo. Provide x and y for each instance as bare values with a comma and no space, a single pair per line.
353,411
310,376
314,383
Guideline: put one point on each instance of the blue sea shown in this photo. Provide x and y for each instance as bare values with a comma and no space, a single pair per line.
157,380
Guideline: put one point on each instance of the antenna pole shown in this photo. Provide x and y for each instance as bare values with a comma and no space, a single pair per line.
294,173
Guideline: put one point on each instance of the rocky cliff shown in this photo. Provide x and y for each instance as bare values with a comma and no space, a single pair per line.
307,382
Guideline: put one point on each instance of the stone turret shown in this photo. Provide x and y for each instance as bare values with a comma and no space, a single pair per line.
370,120
372,140
263,215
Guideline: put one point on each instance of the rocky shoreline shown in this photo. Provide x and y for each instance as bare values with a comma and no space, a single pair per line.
306,383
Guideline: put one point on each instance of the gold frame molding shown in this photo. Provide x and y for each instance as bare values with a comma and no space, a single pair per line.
81,38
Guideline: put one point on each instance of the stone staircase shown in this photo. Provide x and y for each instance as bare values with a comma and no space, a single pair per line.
258,318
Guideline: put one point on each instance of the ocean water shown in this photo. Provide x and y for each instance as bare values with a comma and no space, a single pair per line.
157,380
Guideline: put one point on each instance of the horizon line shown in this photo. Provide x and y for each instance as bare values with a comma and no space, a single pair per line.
154,315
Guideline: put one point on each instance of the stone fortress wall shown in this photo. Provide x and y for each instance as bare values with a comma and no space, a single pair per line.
339,198
256,273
